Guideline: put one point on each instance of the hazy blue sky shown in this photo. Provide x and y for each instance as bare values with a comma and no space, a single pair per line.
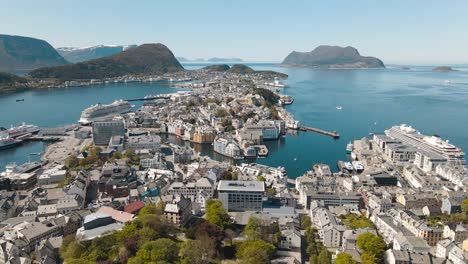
397,31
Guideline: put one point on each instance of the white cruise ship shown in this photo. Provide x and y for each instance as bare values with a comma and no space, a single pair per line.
409,135
102,110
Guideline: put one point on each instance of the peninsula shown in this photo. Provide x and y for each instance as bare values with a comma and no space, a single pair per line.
332,57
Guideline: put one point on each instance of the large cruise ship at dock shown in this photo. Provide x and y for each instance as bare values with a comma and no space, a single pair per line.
103,110
430,144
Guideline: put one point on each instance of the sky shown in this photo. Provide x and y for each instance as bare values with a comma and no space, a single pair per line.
396,31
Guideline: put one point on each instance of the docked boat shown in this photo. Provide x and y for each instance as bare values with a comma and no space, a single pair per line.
345,166
357,165
103,110
276,84
286,100
7,142
349,167
349,148
23,129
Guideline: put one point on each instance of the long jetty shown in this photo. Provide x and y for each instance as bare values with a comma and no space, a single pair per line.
333,134
147,98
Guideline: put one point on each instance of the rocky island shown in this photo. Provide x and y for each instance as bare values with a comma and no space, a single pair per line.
443,69
332,57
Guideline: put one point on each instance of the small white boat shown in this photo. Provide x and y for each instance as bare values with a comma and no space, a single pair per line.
348,166
357,165
339,107
349,148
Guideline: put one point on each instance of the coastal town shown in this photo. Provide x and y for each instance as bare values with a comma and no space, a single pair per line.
113,189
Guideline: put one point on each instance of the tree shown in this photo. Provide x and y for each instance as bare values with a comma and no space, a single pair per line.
313,259
193,252
369,258
255,251
372,247
226,175
235,175
344,258
305,222
260,178
149,209
464,206
71,161
324,257
160,250
216,214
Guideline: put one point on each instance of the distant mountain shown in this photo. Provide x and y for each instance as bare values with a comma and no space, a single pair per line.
90,53
144,59
443,69
215,59
332,57
182,59
22,54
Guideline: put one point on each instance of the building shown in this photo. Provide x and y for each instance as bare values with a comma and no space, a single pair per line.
182,155
226,145
241,195
204,135
151,142
179,211
103,131
53,175
116,143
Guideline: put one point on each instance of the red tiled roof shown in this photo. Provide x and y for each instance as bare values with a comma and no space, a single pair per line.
133,207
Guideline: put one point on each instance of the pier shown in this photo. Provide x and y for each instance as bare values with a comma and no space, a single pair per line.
42,138
333,134
147,98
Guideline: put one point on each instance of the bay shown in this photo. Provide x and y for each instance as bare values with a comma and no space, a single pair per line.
371,101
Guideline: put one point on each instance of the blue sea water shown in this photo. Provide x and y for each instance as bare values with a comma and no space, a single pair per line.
371,100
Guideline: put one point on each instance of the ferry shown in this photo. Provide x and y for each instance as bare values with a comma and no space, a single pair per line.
23,129
102,110
276,83
7,142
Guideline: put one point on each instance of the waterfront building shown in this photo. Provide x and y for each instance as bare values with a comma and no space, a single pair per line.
182,155
270,129
204,134
104,130
226,145
241,195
